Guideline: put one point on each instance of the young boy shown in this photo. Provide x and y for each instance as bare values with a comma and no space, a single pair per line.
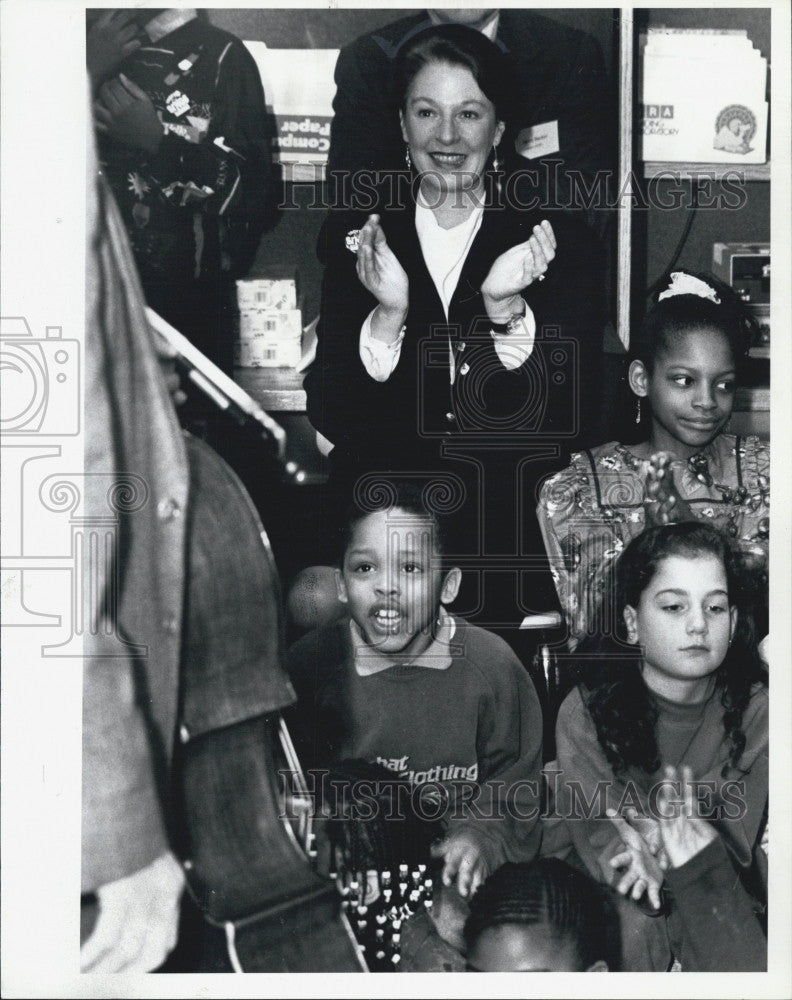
403,683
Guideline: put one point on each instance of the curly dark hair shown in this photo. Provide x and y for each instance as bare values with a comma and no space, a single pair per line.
550,892
608,668
672,317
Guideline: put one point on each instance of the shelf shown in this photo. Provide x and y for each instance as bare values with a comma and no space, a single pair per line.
274,389
716,171
753,400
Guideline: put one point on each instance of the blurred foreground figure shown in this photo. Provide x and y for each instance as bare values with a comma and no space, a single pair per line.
183,685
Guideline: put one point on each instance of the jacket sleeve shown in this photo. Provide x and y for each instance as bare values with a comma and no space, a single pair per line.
338,380
583,112
585,787
123,827
720,930
509,751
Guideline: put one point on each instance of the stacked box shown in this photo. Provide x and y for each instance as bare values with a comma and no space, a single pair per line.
266,293
270,324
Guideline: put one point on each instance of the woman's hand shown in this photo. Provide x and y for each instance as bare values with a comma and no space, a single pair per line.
515,270
684,833
380,272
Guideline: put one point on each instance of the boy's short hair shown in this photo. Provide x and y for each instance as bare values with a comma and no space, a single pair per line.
407,495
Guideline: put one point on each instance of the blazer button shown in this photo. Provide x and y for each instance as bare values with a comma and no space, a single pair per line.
464,369
450,417
462,345
168,509
170,625
184,733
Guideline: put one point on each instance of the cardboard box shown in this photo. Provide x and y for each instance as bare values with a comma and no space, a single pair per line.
269,338
266,293
280,324
262,352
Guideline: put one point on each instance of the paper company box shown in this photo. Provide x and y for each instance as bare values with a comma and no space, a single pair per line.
269,339
279,324
266,293
260,352
703,98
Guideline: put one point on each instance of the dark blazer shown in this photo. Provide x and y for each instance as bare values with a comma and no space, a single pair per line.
416,408
559,74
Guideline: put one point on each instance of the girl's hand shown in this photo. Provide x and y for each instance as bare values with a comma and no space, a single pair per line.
380,272
643,874
515,270
466,860
684,834
663,504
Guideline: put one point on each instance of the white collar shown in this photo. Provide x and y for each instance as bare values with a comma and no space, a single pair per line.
437,656
169,20
488,27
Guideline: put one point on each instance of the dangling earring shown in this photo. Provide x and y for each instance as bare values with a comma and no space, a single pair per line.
495,166
638,411
407,158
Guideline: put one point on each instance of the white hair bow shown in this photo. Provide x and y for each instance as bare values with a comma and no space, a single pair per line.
687,284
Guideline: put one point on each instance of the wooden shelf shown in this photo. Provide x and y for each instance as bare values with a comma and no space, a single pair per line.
716,171
273,389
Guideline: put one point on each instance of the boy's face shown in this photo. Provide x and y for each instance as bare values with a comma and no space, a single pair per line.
393,583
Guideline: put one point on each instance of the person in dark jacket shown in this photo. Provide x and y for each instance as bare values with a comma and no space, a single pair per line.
184,140
456,334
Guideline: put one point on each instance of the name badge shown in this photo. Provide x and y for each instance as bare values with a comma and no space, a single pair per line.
538,140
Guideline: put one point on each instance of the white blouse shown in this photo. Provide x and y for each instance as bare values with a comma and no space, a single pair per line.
445,252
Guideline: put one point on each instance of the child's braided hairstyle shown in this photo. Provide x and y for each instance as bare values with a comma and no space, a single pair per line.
550,893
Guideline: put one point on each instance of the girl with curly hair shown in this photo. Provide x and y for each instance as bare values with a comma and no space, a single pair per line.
676,682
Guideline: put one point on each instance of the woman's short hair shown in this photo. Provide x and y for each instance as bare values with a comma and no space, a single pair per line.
457,45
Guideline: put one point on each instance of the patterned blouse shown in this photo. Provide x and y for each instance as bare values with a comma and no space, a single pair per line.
594,507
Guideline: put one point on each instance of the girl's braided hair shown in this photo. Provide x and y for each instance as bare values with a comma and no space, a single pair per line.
374,820
550,893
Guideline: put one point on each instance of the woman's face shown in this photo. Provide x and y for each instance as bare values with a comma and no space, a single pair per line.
450,126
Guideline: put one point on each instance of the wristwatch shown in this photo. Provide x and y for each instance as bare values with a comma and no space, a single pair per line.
513,323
